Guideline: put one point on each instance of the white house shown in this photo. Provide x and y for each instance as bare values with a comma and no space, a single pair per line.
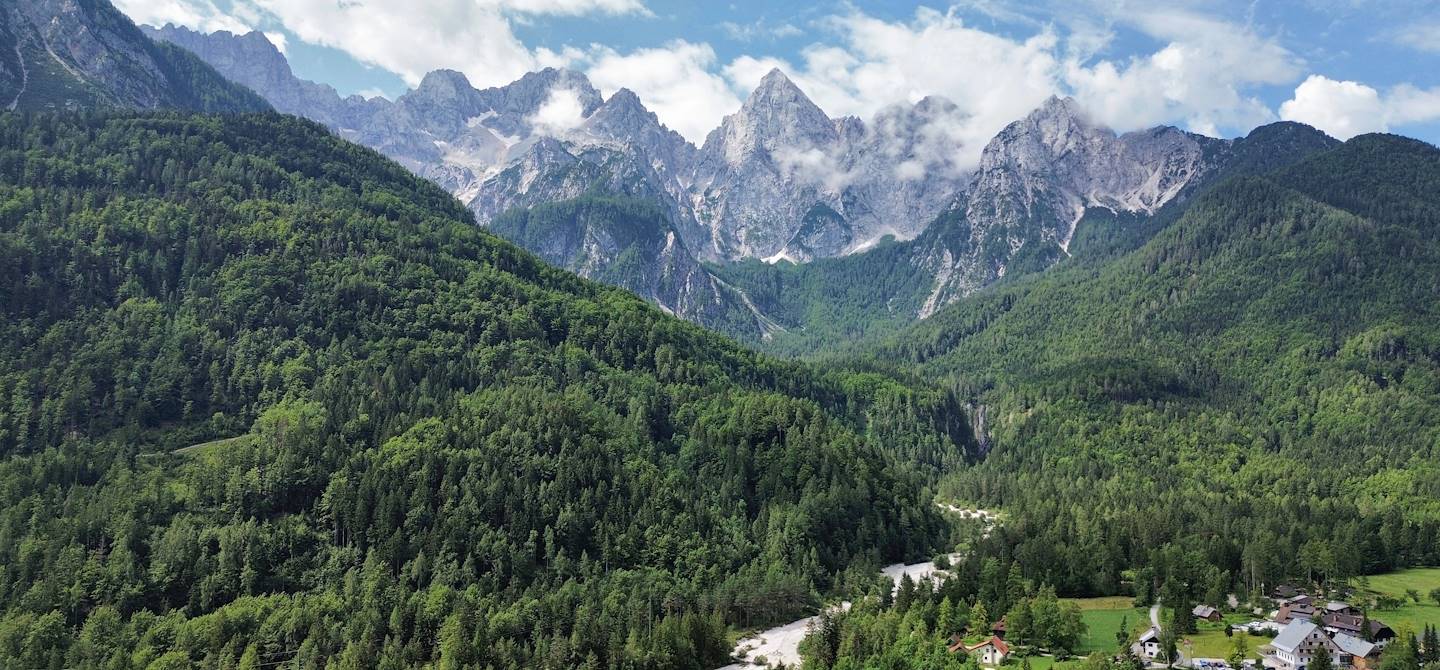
1298,642
1148,646
990,653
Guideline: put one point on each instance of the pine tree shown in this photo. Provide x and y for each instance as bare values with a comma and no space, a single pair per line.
979,621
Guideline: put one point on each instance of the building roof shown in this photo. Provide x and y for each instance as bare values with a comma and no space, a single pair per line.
1337,606
998,643
1203,611
1346,622
1293,635
1152,633
1353,645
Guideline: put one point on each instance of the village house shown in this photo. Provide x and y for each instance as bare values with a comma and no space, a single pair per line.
1355,652
1206,612
990,653
1295,609
1148,646
1341,608
1284,592
1300,641
1354,625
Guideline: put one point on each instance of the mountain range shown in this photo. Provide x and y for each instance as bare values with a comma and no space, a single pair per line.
778,181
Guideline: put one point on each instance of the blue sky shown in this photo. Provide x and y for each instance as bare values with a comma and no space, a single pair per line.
1218,67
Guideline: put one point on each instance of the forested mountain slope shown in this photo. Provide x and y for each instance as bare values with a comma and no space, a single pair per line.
81,54
448,452
1256,388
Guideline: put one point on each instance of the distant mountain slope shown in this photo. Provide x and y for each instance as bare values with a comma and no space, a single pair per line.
1263,375
67,54
445,452
630,243
1007,226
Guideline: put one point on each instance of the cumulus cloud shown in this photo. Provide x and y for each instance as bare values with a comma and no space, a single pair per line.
1202,77
1347,108
413,38
198,14
814,166
562,111
676,81
279,40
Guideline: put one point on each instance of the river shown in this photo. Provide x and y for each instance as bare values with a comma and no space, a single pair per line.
781,644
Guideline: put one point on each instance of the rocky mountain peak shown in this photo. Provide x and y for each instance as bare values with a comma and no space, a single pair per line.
776,117
774,87
529,92
443,85
624,109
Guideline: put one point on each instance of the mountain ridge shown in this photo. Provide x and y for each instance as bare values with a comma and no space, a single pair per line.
69,54
779,180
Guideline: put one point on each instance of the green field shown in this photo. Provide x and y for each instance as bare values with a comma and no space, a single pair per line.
1103,617
1412,615
207,449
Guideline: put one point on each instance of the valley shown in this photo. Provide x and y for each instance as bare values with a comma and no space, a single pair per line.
505,372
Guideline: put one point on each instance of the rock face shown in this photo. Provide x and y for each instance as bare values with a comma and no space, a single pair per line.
252,61
778,179
630,243
64,54
781,180
1036,180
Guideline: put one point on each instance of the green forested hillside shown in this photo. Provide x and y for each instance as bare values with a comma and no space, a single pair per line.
1253,395
446,454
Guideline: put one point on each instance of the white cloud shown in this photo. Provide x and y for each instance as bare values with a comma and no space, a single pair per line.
1202,77
760,29
1347,108
814,166
415,37
279,40
675,81
197,14
1421,35
992,79
562,111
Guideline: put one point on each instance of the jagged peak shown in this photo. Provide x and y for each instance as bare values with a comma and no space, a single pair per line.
625,100
776,87
1059,107
623,108
444,80
932,104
